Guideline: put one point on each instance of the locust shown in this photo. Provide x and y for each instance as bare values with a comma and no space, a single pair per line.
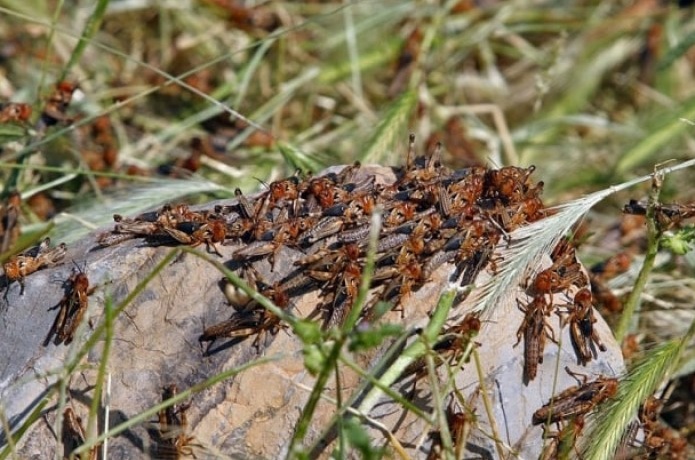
32,260
577,400
534,329
71,309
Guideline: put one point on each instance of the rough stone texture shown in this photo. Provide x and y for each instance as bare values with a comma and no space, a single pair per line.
252,414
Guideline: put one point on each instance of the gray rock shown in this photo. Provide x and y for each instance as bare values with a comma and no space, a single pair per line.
251,414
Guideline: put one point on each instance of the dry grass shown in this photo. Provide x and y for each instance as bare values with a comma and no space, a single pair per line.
201,97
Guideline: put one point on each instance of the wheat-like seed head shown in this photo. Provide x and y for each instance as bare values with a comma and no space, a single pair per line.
528,244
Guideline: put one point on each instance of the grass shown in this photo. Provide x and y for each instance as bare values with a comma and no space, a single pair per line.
593,93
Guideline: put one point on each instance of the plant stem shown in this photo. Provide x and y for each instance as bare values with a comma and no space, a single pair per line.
308,412
412,352
653,237
488,405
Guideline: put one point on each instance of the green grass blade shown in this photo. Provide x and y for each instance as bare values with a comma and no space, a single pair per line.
389,133
298,159
251,68
353,52
416,350
90,30
367,273
668,129
13,438
109,319
581,90
677,51
374,58
596,67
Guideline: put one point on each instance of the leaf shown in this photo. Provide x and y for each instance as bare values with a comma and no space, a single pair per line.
357,437
314,359
681,242
309,332
366,338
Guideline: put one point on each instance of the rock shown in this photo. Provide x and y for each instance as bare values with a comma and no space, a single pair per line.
253,413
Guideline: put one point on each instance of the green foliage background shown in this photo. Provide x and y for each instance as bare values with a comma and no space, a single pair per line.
591,92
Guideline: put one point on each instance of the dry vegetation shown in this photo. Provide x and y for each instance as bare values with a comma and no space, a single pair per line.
169,101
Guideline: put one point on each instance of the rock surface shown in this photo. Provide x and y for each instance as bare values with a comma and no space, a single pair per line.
253,413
